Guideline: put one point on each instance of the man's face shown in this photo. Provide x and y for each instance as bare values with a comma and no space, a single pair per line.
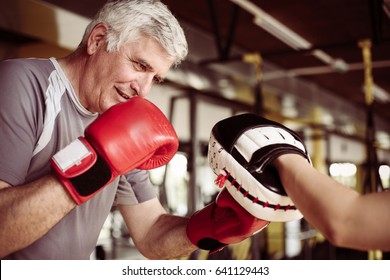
112,78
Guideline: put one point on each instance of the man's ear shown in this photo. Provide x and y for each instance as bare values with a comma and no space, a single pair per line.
97,38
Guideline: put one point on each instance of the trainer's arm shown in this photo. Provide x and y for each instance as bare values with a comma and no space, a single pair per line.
156,234
28,211
344,216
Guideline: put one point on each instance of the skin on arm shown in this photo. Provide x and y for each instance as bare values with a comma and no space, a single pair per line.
156,234
29,211
344,216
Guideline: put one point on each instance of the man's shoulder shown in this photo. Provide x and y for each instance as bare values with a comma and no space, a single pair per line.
26,65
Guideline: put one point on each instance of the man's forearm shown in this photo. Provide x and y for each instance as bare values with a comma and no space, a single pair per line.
28,211
169,238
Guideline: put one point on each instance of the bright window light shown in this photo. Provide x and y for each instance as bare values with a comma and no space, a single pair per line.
344,173
342,169
384,173
179,163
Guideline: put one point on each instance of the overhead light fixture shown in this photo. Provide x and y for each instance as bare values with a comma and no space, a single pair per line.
285,34
386,7
273,26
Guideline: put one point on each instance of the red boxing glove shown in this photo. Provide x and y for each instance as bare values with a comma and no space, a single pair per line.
222,222
134,134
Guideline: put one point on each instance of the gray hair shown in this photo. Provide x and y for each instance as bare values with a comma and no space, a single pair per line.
130,19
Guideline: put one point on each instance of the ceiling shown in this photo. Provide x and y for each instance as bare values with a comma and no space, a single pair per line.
328,55
335,27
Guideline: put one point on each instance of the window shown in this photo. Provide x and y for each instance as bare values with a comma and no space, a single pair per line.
384,173
345,173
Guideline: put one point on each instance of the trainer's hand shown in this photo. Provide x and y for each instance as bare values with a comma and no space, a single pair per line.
134,134
241,150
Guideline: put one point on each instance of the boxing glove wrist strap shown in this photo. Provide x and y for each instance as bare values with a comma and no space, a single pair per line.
79,166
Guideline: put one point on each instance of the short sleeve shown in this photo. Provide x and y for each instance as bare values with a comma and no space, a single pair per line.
19,118
134,188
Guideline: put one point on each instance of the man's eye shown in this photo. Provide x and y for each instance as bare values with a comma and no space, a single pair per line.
139,66
157,80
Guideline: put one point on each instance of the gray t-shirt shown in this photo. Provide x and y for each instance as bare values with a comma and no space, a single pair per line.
39,115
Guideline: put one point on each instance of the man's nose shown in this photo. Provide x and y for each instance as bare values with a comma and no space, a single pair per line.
145,85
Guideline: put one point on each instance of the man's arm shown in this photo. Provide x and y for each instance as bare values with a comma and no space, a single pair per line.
344,216
156,234
29,211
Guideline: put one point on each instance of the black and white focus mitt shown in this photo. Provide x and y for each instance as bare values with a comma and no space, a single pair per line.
241,150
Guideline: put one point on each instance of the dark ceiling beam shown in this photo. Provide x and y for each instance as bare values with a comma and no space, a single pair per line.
376,16
223,45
